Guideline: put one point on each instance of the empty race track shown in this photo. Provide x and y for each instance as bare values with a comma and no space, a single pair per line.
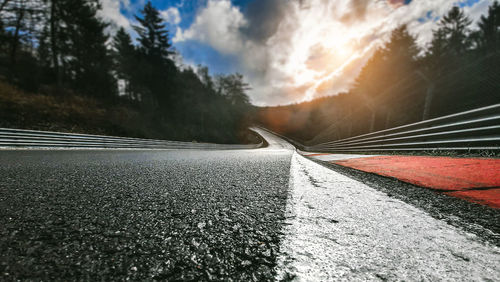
259,214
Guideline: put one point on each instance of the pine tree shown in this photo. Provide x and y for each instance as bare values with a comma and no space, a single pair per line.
43,53
3,4
453,28
234,89
18,33
437,48
88,60
489,29
204,76
402,44
19,8
377,88
124,61
389,64
450,44
156,77
18,20
153,36
55,37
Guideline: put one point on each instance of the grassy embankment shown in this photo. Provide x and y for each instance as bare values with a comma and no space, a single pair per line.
68,112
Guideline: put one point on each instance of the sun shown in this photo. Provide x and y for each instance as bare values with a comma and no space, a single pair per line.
317,53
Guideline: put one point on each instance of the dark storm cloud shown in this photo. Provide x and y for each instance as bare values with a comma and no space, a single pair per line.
264,17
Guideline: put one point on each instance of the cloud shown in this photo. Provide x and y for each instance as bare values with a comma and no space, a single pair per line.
263,18
476,11
294,50
111,12
218,25
171,15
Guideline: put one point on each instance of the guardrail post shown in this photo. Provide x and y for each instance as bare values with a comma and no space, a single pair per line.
372,123
428,95
428,101
387,118
349,127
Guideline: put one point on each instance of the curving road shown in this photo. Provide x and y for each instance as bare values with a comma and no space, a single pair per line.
241,215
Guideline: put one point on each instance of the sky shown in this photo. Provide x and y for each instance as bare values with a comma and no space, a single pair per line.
288,50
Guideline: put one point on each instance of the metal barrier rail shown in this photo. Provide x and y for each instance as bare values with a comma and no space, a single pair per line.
34,138
477,129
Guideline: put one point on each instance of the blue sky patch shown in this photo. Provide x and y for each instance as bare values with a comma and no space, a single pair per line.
199,53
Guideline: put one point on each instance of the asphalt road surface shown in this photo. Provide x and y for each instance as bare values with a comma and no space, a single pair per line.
240,215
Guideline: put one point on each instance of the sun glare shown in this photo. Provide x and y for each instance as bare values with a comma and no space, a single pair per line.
324,45
320,47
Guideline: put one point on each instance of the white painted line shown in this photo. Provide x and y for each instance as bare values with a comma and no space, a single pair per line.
340,229
339,157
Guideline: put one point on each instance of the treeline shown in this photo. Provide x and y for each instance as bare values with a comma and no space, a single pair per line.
401,83
63,48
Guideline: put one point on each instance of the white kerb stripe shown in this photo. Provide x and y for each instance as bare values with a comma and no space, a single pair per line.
340,229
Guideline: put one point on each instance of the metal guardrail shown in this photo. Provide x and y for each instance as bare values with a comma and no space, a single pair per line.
477,129
39,139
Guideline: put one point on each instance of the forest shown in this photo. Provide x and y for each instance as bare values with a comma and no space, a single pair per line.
403,83
62,69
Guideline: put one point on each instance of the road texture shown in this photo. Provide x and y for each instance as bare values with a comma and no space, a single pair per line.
157,214
241,215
